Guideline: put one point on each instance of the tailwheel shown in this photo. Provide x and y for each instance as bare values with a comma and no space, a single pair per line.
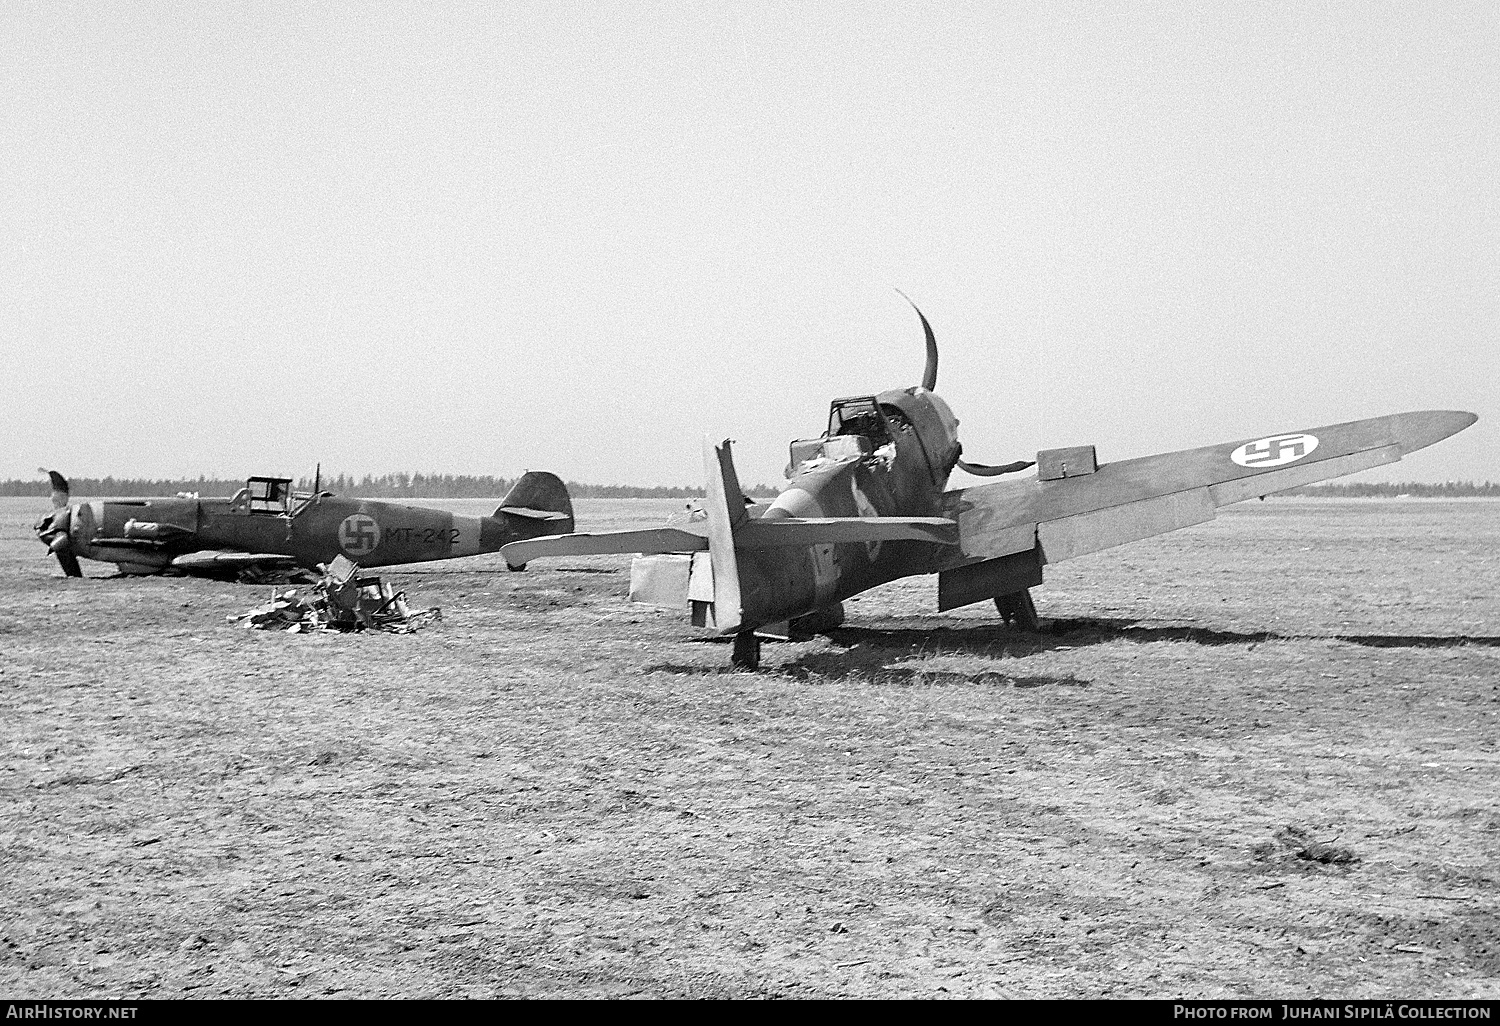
746,651
1017,609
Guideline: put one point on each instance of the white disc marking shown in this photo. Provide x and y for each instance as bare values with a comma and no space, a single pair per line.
1275,451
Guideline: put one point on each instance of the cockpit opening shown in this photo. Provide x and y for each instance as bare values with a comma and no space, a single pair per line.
858,428
858,416
269,495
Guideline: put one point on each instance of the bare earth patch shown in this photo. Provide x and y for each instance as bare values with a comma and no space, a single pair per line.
1254,758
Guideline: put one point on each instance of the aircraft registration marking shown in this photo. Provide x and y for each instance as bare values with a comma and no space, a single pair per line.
1275,451
422,535
359,534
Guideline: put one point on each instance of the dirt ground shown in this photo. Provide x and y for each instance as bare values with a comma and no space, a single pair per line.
555,793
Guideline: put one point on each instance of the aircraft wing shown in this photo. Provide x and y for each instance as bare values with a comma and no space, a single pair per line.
1134,499
210,561
139,544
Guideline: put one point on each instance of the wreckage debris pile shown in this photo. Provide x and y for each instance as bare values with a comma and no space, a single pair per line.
339,601
294,612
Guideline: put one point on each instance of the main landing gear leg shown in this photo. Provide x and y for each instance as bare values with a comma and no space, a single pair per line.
746,651
1017,608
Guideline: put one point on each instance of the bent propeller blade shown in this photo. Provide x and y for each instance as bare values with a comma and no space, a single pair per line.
60,489
929,373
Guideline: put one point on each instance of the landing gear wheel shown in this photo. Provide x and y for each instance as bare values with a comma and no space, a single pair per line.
514,568
746,651
1017,609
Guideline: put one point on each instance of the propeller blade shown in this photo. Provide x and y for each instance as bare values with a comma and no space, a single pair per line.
53,531
929,373
59,489
983,470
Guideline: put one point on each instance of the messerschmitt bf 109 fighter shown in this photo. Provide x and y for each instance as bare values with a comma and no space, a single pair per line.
268,527
867,502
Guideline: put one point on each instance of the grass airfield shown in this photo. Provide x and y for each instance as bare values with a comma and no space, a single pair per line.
554,793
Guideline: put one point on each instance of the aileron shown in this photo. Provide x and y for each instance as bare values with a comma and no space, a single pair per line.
1082,533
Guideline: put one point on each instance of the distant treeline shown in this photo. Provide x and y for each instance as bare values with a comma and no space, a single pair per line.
1446,490
371,486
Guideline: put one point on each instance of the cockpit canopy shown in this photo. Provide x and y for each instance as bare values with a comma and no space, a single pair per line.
269,494
858,416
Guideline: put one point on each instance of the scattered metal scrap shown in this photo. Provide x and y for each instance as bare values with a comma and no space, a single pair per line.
340,600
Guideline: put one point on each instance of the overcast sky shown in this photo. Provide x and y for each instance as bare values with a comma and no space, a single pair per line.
244,237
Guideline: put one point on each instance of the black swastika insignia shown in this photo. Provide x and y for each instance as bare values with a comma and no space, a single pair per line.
359,534
1274,449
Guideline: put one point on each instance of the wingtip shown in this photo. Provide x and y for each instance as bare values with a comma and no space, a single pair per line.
1422,428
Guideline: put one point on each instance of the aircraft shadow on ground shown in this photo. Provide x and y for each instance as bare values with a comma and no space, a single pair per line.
1094,631
1076,633
896,653
896,657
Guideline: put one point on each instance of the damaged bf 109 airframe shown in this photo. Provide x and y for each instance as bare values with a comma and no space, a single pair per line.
867,503
266,527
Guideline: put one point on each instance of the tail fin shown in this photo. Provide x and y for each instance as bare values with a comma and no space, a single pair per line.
542,500
725,503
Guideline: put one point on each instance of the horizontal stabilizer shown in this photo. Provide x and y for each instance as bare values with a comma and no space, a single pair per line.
532,514
792,531
657,539
788,532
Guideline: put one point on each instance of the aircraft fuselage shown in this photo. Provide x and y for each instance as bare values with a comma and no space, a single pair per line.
890,458
145,536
